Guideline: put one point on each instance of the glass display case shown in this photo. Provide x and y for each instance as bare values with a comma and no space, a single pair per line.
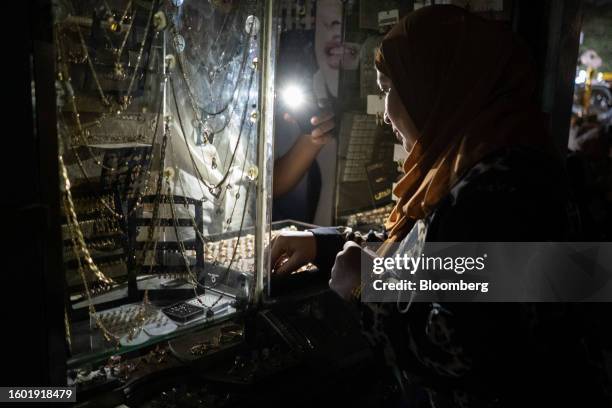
164,117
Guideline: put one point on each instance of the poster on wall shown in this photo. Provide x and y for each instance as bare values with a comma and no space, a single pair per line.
311,55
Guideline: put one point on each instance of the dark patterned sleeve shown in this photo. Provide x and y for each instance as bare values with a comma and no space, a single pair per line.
330,241
472,355
513,197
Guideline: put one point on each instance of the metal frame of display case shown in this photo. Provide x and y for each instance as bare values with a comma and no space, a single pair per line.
270,35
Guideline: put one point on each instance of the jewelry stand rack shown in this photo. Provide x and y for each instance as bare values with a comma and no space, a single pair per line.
174,286
106,239
110,247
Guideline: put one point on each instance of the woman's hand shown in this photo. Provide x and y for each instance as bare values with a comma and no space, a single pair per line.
292,249
346,272
324,124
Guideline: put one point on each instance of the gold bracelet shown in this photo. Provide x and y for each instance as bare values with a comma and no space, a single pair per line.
356,292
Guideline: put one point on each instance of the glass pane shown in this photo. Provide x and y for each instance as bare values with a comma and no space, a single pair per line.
159,119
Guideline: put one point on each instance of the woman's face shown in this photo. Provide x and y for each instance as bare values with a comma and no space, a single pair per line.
396,114
328,33
330,51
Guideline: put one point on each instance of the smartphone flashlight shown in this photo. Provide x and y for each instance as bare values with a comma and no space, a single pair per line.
301,105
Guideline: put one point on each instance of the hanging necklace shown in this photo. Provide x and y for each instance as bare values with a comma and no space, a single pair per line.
94,75
199,234
73,222
118,66
115,26
81,132
127,98
185,258
197,109
76,236
142,192
211,73
178,176
211,188
237,196
64,76
192,277
203,240
108,335
185,77
81,167
133,329
222,65
154,217
220,32
252,118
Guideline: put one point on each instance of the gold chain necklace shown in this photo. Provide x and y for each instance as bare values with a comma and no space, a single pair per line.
80,131
78,241
81,166
64,77
74,223
158,190
118,66
127,98
114,26
142,192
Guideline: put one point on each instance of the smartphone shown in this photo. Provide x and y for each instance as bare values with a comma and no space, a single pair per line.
304,114
308,107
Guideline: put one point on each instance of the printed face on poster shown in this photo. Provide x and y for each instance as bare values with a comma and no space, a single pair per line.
331,52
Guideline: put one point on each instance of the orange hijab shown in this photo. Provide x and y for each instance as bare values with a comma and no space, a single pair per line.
467,84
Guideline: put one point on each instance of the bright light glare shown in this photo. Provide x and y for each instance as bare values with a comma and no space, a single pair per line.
293,96
581,78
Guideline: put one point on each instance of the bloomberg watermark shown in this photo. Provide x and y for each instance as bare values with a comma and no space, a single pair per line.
488,272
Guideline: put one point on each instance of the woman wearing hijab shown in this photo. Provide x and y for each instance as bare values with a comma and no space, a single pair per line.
481,167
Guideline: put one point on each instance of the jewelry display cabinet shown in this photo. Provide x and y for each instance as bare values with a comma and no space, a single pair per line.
165,142
160,116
